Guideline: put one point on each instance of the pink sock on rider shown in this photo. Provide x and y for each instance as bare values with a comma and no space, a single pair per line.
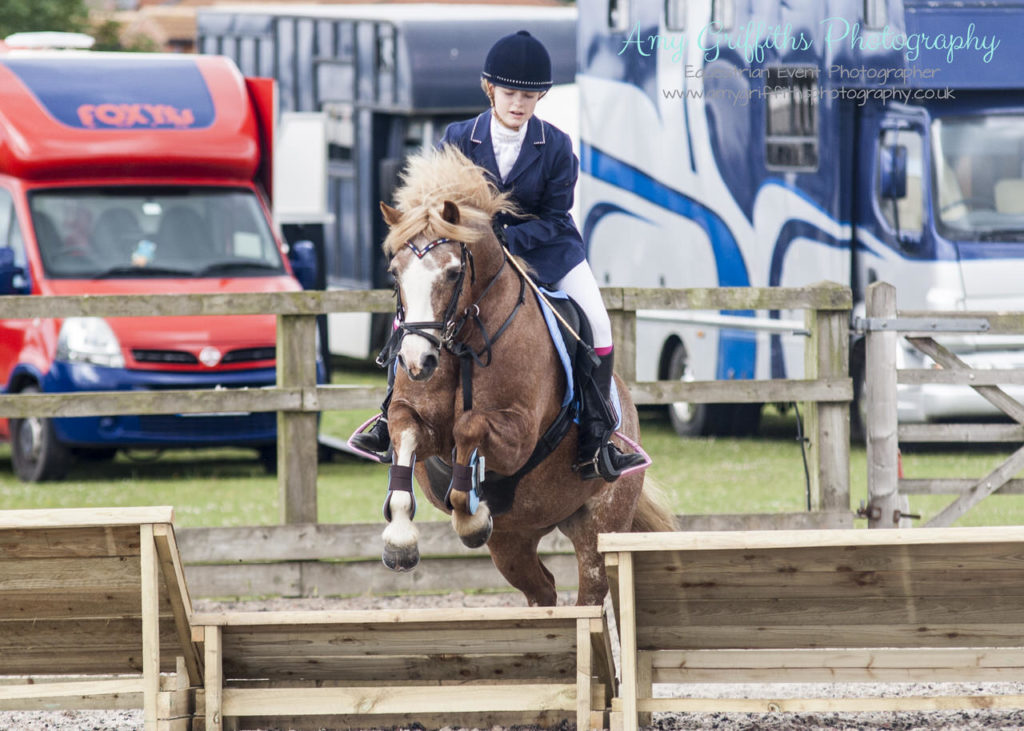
604,351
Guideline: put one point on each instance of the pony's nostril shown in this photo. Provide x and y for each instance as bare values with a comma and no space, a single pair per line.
429,363
401,362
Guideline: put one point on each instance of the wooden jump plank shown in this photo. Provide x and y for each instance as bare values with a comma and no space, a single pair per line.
832,705
339,640
93,541
708,584
829,635
80,517
397,699
67,575
852,611
707,540
435,668
426,618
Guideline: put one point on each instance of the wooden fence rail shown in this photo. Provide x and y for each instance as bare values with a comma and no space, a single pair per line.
826,388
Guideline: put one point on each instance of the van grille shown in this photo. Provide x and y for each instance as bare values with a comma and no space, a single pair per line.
181,357
178,357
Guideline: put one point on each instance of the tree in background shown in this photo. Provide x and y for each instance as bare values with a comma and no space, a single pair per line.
68,15
33,15
109,37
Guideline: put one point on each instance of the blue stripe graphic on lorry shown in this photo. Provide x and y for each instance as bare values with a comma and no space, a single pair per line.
737,349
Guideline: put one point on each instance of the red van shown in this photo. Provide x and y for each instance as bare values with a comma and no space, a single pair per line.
124,174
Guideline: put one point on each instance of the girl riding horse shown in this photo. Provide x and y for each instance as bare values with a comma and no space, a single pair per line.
533,162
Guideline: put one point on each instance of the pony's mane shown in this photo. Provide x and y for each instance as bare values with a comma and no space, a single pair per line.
433,177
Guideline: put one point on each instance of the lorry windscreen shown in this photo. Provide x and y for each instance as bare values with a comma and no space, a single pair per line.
979,176
86,233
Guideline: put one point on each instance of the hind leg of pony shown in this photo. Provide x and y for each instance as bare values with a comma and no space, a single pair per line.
515,556
401,537
500,437
610,510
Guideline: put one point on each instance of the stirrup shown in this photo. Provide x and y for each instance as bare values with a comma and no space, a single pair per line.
608,463
368,441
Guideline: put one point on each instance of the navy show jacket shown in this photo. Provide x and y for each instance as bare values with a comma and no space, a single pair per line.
542,182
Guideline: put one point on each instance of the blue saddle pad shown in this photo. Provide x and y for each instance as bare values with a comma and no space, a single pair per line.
564,357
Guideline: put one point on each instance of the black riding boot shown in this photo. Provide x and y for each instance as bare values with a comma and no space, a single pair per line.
598,457
377,438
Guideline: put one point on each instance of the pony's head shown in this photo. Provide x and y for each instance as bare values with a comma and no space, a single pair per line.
443,213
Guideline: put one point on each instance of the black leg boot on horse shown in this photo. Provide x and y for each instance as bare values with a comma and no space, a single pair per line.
598,457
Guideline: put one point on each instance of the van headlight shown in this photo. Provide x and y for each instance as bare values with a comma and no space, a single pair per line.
89,340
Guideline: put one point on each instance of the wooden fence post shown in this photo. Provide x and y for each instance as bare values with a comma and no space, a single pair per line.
880,391
297,445
827,423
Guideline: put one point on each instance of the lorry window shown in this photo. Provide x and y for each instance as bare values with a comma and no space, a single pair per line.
905,215
139,232
791,118
979,174
675,14
10,230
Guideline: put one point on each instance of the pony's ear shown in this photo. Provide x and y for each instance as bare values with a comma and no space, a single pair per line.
450,213
391,215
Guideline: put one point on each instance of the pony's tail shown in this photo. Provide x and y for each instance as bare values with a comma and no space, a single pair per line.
653,513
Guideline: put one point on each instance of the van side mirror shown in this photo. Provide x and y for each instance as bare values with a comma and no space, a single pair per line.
13,278
302,256
893,171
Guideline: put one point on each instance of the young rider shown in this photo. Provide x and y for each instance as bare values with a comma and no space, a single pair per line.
534,160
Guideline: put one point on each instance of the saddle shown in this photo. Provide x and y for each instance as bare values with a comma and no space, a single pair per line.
579,363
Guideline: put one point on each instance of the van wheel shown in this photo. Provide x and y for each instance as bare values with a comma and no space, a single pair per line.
36,454
689,420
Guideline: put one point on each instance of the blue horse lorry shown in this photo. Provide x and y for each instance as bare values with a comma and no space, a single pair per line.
756,143
111,184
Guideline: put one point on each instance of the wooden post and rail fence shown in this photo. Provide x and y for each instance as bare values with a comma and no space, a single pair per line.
302,557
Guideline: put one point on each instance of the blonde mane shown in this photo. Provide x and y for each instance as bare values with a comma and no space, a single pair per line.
433,177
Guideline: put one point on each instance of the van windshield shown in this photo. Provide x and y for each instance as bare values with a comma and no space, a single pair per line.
979,174
153,232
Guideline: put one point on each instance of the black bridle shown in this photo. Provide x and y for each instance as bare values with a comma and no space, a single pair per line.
451,326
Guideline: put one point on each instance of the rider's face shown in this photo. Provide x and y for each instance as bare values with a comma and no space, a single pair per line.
514,107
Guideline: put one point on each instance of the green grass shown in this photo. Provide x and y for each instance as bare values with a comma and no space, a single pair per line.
711,475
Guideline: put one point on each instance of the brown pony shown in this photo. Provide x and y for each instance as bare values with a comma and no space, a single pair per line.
459,295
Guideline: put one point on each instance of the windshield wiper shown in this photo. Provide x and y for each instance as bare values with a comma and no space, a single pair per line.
146,271
1006,234
220,267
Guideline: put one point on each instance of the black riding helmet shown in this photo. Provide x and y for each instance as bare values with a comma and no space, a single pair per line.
519,61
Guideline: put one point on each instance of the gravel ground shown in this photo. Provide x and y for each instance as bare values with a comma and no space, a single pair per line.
971,720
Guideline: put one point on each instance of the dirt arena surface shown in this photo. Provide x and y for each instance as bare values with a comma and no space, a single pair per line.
888,721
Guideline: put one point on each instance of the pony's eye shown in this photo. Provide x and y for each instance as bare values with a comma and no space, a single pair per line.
452,274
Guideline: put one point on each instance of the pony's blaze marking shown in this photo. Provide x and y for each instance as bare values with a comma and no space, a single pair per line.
419,280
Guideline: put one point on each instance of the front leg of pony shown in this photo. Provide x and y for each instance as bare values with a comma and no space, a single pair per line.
401,537
497,435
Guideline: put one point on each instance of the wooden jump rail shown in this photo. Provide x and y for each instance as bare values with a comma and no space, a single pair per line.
887,503
86,594
298,399
437,667
916,605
